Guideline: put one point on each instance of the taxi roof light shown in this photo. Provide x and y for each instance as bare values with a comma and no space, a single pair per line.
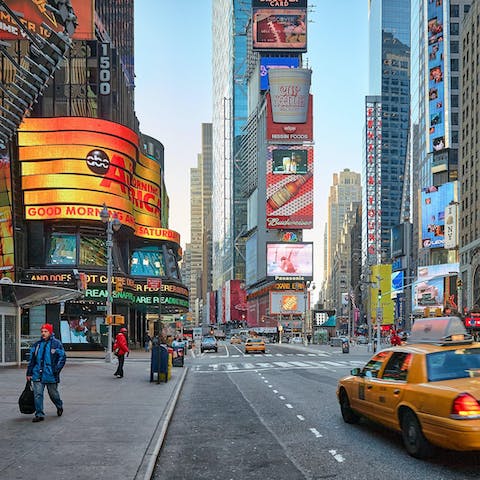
465,407
439,331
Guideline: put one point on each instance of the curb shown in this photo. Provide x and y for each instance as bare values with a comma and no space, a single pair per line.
147,466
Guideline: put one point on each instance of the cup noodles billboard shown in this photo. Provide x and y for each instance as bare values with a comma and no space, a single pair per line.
290,261
289,202
71,166
280,29
266,63
33,14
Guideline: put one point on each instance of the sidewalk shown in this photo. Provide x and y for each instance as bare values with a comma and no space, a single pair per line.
111,428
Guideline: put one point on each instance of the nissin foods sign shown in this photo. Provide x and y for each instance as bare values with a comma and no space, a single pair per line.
71,166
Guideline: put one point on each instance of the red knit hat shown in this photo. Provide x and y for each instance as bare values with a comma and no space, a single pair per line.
47,326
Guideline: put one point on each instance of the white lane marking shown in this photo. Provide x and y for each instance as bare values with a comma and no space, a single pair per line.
226,349
288,405
316,432
231,366
270,386
311,354
339,458
281,397
301,418
279,354
275,391
300,364
248,365
300,354
283,364
334,364
214,366
264,365
235,356
265,381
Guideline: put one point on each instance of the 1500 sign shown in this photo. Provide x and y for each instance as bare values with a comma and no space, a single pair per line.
104,74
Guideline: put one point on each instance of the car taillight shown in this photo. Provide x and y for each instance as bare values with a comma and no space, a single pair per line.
465,407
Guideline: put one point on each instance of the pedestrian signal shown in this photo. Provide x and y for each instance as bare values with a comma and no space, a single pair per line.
115,320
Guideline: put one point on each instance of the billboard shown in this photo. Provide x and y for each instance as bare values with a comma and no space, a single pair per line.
71,166
436,82
434,202
279,29
288,302
429,288
397,282
451,226
289,202
290,261
292,132
277,3
33,13
373,183
397,240
278,62
7,257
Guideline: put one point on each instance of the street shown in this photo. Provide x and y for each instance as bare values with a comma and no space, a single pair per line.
275,415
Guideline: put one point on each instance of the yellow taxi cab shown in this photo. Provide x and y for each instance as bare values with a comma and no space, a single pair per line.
427,389
254,345
235,340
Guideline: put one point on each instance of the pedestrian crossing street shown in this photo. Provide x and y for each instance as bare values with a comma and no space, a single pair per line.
271,361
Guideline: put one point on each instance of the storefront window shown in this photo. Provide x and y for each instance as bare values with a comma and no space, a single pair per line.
92,251
148,262
62,249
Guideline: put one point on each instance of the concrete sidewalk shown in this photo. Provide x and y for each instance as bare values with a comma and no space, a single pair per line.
111,428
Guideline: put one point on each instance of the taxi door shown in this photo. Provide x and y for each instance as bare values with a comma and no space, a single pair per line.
390,388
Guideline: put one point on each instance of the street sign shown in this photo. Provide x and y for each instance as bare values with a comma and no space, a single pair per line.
379,315
154,282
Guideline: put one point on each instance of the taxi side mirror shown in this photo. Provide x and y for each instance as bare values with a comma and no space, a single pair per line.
355,372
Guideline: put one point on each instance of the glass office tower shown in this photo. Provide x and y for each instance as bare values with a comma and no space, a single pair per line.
230,20
389,82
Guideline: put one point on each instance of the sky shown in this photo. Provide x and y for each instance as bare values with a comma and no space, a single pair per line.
173,94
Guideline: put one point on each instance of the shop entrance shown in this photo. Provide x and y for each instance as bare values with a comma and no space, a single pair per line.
8,335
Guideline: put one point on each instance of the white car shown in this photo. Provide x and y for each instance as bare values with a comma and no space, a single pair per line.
296,340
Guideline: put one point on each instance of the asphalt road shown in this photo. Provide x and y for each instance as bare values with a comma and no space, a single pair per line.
275,416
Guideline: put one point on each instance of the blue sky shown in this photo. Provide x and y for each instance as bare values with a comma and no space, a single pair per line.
173,94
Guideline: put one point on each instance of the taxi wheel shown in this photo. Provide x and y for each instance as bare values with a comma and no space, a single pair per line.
415,442
348,415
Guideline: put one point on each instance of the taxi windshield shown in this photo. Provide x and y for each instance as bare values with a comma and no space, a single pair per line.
451,364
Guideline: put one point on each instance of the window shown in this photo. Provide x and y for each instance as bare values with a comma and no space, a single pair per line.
454,28
62,249
372,368
148,262
454,10
454,46
460,363
92,251
397,367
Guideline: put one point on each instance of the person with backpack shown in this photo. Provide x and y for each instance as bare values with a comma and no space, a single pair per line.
47,358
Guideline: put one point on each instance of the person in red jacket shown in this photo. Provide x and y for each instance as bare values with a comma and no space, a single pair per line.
120,347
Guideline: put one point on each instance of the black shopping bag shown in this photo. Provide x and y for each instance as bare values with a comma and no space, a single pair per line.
26,401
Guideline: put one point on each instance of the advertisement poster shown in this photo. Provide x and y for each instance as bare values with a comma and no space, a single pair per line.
277,62
33,13
286,303
289,202
434,202
436,82
7,260
287,260
280,29
429,288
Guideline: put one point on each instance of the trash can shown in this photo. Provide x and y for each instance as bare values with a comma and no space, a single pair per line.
345,346
178,357
160,363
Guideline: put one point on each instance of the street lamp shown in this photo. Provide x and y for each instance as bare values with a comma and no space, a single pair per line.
113,224
307,286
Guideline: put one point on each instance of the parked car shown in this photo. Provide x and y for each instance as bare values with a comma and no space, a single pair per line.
427,389
362,340
254,345
297,340
208,343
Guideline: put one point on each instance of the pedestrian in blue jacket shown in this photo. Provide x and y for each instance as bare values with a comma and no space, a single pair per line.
47,358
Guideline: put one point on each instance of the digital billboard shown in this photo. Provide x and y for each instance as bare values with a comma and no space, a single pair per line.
286,303
434,202
290,261
278,62
33,13
292,132
429,287
277,3
7,257
280,29
71,166
289,202
436,81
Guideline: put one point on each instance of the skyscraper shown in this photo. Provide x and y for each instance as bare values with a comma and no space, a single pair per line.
387,124
230,19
